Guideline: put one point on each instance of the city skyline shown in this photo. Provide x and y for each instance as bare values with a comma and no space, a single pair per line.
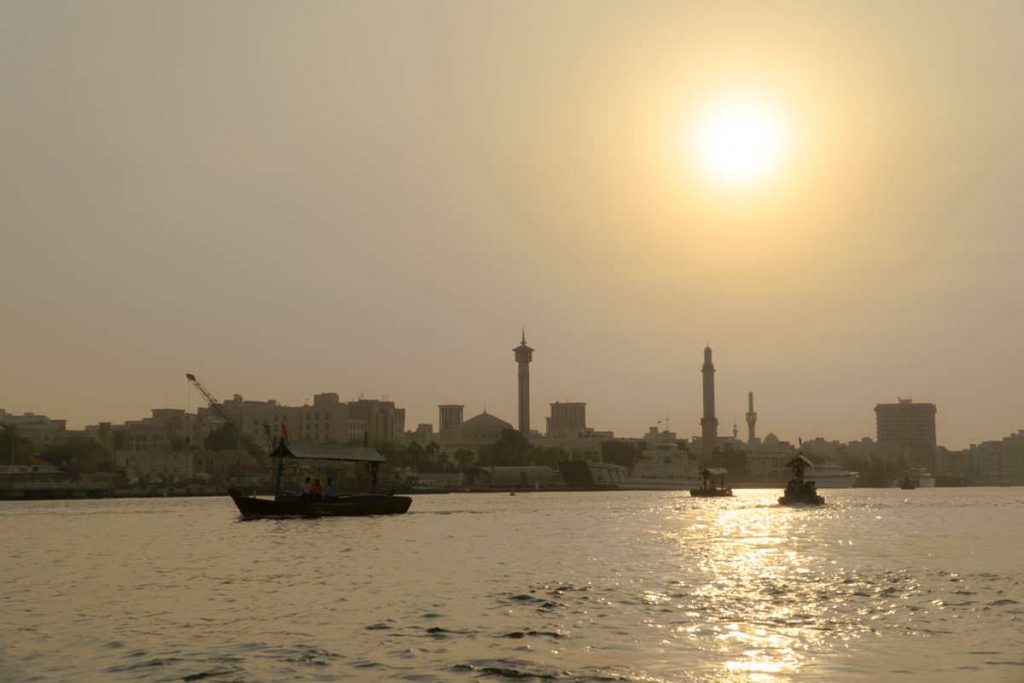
378,203
706,435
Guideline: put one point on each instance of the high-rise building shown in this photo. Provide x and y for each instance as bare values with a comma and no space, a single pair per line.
708,423
524,355
751,419
450,417
906,431
567,420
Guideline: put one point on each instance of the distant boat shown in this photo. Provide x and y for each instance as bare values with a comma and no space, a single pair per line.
800,491
647,475
831,476
286,504
918,477
663,466
906,484
712,484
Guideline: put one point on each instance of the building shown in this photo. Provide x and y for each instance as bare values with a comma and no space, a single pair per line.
567,419
766,460
380,421
424,435
906,433
994,463
524,356
449,417
167,430
751,419
473,434
328,420
708,423
41,430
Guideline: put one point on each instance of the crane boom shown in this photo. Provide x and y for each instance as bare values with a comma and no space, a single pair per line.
214,403
224,415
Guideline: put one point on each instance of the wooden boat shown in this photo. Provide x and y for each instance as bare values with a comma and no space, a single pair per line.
907,483
292,505
800,491
252,507
712,484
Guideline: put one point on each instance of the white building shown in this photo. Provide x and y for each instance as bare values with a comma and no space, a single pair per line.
41,430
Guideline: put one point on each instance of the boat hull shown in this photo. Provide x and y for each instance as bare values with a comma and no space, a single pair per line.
801,500
710,493
345,506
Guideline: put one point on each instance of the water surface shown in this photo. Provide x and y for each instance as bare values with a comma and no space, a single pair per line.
619,586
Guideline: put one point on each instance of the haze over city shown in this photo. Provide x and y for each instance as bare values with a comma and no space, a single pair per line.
375,199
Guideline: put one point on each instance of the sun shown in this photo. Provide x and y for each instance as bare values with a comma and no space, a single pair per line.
740,143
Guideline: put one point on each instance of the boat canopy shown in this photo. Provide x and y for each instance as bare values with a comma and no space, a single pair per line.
800,458
715,471
326,451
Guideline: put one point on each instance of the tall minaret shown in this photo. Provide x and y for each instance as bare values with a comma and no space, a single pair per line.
524,354
751,418
708,423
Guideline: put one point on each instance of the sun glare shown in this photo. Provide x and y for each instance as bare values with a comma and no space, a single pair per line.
739,143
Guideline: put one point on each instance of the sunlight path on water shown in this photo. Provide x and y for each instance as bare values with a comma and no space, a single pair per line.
644,586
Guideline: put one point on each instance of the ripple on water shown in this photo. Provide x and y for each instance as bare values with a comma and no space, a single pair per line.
619,587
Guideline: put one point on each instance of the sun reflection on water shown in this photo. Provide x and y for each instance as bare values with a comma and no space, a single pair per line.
753,590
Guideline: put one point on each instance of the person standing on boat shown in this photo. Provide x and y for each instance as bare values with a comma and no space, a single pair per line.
306,486
332,490
316,491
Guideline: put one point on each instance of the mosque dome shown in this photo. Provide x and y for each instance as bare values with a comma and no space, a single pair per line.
771,438
481,429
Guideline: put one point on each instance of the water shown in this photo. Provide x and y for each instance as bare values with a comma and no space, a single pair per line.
645,586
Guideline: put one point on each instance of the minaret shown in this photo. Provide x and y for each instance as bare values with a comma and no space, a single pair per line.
708,423
751,418
524,354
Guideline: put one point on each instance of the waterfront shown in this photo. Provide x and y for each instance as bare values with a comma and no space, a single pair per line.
633,586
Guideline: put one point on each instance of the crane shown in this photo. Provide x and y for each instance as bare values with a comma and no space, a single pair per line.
215,405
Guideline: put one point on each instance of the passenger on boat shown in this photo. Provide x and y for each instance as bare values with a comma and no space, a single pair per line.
332,490
306,486
316,491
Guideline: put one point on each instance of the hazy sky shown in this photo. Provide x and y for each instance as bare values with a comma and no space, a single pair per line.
288,198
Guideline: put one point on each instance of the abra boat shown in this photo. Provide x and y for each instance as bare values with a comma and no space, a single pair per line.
712,484
286,504
800,491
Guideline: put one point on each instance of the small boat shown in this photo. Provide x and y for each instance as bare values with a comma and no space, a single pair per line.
712,484
252,507
907,483
286,504
800,491
917,478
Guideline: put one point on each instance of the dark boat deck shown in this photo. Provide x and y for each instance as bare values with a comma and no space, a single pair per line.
343,506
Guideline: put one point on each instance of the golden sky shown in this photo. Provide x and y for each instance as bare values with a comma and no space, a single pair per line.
288,198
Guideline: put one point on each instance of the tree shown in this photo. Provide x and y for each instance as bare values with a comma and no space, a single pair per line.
509,449
14,448
79,454
620,452
464,457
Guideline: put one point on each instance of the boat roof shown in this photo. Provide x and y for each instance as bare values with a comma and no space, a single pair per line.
326,451
716,471
800,458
